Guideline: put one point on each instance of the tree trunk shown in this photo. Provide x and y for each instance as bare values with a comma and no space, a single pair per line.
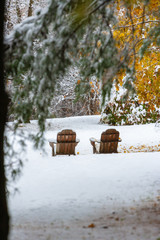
18,10
4,217
30,9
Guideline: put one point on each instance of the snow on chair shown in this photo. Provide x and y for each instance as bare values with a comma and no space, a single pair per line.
108,143
65,143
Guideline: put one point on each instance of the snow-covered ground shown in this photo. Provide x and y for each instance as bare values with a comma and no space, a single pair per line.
89,196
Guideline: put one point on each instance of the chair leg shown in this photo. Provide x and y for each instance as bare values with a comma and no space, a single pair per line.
53,152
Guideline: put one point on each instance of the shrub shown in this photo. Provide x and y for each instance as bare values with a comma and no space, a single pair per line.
118,112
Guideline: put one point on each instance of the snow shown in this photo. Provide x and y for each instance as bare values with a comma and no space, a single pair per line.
88,196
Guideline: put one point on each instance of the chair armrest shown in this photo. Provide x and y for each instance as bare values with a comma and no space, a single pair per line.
52,140
94,140
93,143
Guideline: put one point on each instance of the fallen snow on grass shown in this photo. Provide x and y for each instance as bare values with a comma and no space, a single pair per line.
89,196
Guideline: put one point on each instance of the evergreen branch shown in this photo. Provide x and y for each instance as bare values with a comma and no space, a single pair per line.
83,20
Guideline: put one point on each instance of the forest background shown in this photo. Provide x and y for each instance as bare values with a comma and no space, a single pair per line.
130,24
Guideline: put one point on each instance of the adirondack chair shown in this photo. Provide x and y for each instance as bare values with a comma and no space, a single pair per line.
65,143
108,143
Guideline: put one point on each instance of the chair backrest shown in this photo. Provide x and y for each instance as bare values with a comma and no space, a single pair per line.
110,135
66,135
66,142
109,141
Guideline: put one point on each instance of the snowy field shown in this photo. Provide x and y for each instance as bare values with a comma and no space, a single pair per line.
89,196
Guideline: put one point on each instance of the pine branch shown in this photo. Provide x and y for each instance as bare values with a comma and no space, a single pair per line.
83,20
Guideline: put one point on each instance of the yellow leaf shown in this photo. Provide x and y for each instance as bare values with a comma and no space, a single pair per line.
99,43
92,225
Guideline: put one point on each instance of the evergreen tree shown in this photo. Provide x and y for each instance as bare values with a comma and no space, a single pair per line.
42,48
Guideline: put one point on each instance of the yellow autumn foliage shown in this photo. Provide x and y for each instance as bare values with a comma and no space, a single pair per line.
135,19
139,148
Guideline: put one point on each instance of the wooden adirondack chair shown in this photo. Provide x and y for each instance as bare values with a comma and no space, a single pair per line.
65,143
108,143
